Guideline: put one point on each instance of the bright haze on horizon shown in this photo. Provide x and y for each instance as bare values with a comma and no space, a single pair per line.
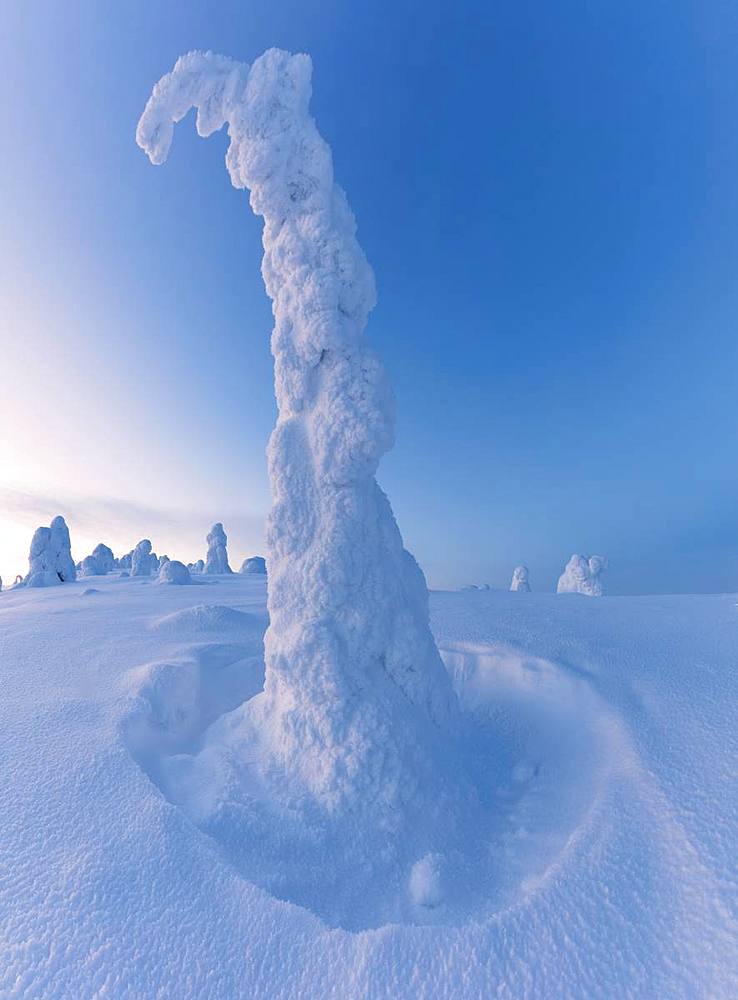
548,200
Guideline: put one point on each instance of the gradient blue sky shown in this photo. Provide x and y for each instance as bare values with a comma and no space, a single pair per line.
548,194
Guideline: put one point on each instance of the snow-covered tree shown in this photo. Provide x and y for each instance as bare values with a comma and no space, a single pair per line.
254,564
104,558
50,559
141,562
582,575
216,560
196,567
356,696
89,567
173,571
520,579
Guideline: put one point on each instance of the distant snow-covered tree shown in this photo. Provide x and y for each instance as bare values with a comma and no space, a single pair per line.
216,560
141,559
173,571
254,564
50,559
520,579
89,566
583,575
104,557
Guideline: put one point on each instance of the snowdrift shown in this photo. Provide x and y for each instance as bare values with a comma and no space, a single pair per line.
142,857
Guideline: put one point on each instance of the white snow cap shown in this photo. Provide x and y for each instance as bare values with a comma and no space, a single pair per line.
583,576
50,559
520,579
254,564
173,571
141,559
355,689
216,560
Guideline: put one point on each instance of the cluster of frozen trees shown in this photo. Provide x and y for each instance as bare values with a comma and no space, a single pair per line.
50,559
582,575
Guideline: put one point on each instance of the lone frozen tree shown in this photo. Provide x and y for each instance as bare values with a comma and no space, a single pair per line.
355,691
216,560
50,559
520,579
583,575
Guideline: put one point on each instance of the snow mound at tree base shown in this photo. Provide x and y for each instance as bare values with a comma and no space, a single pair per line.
537,747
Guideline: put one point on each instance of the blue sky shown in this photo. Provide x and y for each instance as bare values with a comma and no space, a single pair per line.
548,194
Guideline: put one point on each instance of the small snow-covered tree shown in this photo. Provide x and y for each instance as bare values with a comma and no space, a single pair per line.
104,558
582,575
173,571
254,565
141,559
356,696
50,559
216,560
520,579
89,567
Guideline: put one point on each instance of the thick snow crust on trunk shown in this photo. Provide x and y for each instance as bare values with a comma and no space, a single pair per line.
355,690
50,559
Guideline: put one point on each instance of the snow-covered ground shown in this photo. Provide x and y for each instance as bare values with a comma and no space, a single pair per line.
138,857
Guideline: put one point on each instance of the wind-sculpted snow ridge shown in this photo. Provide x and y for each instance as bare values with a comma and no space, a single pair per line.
356,696
216,560
50,559
520,581
582,575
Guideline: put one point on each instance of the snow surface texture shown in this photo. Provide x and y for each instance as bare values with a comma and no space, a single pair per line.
254,564
50,559
604,742
355,689
173,571
582,575
217,557
142,559
520,580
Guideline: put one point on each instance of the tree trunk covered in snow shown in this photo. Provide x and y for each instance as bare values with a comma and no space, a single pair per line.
355,688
